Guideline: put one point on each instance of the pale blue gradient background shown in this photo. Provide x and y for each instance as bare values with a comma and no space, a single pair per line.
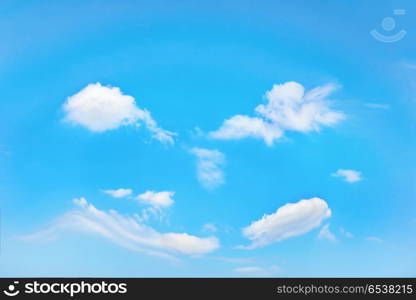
194,63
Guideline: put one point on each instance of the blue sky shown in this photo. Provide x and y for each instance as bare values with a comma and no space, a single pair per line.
229,138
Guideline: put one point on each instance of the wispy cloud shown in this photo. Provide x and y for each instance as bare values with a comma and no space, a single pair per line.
233,260
209,227
240,126
377,105
288,107
350,176
290,220
346,233
100,108
325,233
258,271
125,231
374,239
209,167
157,203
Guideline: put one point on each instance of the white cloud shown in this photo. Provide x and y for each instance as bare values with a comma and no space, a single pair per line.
240,126
325,233
101,108
157,199
255,270
350,176
209,163
119,193
209,227
374,239
81,202
197,132
126,231
288,108
248,269
290,220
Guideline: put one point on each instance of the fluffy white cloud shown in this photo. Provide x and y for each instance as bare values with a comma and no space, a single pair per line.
101,108
288,108
126,231
189,244
158,202
209,164
157,199
325,233
290,220
350,176
119,193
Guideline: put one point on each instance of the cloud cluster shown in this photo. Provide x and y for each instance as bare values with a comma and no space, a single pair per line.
350,176
290,220
126,231
209,163
288,108
101,108
156,202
